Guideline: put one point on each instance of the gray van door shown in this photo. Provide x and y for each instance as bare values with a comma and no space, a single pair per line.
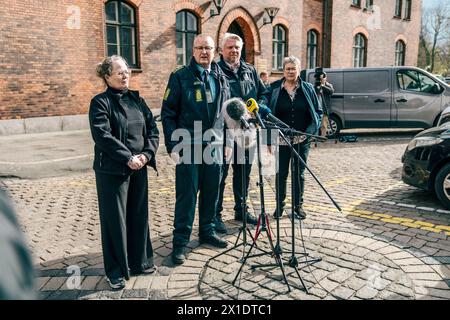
367,98
415,103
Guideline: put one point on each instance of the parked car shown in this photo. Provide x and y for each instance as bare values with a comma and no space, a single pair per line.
385,97
426,161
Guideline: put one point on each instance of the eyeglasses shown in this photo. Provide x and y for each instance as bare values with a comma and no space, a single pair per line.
122,73
207,49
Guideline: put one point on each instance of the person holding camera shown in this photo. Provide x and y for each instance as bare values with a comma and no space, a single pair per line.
324,91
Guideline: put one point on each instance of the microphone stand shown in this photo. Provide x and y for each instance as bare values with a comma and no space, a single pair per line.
263,225
280,131
293,261
244,229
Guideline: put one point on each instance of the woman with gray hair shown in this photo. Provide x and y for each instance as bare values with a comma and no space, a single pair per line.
126,140
294,102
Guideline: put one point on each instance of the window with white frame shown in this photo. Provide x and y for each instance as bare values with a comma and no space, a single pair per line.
360,51
121,36
186,30
408,4
398,8
311,54
400,49
279,47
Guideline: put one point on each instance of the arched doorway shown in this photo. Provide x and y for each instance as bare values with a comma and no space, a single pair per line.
239,21
236,29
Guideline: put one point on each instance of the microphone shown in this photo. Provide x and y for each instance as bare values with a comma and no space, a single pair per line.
252,107
266,113
235,114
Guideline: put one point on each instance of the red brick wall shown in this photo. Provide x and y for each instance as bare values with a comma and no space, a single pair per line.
48,67
312,19
382,31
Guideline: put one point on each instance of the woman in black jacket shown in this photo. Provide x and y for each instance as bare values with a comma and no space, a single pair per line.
294,102
126,140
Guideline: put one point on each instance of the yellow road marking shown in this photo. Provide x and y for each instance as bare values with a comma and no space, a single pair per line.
407,222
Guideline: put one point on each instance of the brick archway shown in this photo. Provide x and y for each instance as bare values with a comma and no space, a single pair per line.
401,37
189,5
252,38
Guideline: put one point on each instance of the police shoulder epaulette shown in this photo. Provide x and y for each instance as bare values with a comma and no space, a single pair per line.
177,69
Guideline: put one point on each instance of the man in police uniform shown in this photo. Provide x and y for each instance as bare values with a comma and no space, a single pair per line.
192,106
245,83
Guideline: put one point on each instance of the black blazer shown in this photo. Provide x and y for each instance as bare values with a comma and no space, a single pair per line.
108,124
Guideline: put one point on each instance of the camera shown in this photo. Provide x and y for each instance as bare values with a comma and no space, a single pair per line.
317,83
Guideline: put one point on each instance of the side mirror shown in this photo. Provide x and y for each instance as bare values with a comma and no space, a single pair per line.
445,117
437,89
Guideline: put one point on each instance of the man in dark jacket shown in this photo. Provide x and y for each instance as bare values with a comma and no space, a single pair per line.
245,84
191,111
325,90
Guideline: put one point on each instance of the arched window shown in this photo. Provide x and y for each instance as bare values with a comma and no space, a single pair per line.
186,30
279,48
121,31
359,51
400,49
311,53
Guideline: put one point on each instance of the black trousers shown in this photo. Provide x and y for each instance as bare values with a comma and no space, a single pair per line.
123,206
192,180
240,164
284,160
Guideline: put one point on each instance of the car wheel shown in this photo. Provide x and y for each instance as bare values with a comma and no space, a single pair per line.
334,126
442,185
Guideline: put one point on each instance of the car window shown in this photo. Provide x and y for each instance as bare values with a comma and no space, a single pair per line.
426,83
415,81
366,81
408,80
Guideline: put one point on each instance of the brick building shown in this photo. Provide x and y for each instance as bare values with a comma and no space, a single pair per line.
48,49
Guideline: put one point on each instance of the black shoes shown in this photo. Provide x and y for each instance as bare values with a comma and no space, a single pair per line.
116,283
147,268
219,226
178,256
277,214
299,213
214,240
251,219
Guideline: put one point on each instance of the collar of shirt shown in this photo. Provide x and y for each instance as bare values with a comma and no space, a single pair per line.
233,68
201,69
294,91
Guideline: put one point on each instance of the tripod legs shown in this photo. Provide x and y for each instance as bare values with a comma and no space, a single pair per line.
275,254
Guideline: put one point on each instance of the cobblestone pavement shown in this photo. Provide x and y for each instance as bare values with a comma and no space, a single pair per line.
390,241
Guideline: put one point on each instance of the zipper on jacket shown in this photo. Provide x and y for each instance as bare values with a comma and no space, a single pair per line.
101,159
